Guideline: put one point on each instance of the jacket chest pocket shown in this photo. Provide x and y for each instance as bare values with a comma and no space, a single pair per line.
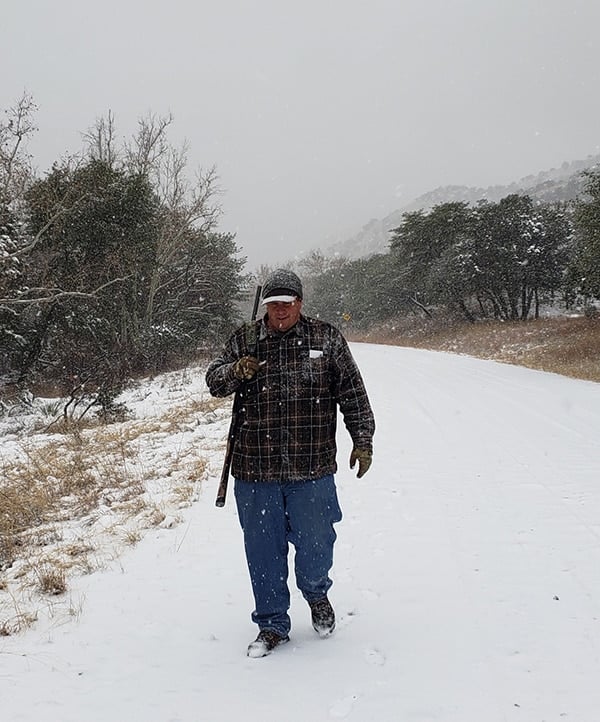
314,371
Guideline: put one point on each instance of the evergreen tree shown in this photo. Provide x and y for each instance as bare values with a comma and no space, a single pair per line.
586,263
428,252
521,253
498,258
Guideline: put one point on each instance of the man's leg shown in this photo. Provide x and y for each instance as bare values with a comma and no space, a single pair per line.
312,509
262,517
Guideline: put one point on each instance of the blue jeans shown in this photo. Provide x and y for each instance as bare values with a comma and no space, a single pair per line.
273,515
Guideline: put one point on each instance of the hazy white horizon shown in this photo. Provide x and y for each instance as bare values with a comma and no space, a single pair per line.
322,116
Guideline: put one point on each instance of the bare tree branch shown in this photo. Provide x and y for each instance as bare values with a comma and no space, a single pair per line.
146,149
62,210
15,167
57,294
100,140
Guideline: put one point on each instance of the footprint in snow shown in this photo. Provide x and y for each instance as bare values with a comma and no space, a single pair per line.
375,657
346,618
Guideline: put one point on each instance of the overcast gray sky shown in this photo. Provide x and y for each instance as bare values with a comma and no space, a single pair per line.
322,114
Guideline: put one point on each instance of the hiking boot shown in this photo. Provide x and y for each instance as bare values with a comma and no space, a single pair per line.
323,617
265,643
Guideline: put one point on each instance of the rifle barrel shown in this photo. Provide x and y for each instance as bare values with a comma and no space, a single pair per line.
222,490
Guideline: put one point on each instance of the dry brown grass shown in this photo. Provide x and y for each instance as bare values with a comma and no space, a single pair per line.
566,345
86,473
16,623
57,481
52,580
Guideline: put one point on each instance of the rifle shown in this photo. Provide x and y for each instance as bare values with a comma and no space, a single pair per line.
233,427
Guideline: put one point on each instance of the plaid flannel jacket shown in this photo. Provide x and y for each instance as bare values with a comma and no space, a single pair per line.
288,411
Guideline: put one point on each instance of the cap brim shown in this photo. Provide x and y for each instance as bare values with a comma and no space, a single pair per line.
279,299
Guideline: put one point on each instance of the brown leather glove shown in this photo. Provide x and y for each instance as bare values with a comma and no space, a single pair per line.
245,368
364,459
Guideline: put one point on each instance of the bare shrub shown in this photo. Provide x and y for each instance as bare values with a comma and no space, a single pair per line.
15,624
52,581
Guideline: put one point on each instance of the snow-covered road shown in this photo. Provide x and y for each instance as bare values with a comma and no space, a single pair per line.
467,578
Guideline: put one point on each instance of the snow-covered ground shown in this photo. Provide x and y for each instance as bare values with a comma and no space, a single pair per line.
467,575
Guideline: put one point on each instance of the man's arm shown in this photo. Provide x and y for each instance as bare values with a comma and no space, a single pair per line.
225,374
221,378
351,395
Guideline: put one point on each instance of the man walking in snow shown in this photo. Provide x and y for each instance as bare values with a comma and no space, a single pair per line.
290,373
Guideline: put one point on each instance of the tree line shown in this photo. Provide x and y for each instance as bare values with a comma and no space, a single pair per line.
500,260
110,264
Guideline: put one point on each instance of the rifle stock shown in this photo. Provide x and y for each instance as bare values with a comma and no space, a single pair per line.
233,428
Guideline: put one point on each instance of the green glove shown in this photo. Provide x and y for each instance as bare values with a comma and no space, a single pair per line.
245,368
364,459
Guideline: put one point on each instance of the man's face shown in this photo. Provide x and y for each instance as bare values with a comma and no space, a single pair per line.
282,316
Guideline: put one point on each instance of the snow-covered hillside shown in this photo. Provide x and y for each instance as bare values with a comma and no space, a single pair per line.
557,184
466,578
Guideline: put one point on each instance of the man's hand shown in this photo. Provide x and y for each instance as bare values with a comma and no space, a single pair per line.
245,368
364,459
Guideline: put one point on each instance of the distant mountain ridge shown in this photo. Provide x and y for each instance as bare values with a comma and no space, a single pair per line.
557,184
